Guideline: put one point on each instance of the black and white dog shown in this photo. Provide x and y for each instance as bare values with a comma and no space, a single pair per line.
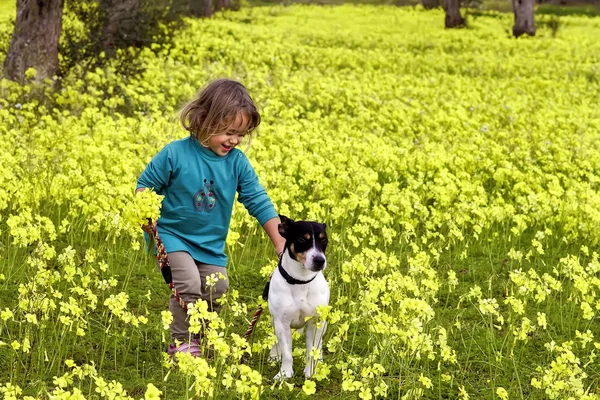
297,287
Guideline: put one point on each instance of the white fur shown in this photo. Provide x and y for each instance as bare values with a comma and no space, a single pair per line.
291,305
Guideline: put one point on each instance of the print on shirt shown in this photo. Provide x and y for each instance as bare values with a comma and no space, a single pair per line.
204,199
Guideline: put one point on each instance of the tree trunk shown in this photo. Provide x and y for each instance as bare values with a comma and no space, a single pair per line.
34,41
120,24
429,4
202,8
524,20
453,17
223,5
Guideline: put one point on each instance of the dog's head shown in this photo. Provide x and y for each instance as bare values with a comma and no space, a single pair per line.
305,241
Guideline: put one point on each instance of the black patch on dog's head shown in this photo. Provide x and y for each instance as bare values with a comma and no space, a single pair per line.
301,236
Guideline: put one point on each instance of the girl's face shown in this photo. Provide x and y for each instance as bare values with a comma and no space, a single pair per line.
223,143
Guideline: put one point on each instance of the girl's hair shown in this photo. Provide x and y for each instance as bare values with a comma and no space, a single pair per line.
216,108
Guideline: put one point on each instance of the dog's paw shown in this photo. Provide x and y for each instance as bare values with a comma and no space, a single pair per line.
283,375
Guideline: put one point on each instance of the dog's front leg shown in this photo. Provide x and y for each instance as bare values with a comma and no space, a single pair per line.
314,340
283,332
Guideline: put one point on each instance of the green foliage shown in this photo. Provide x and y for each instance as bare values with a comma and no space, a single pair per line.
88,40
589,10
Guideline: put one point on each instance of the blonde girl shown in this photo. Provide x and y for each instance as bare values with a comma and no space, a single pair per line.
199,177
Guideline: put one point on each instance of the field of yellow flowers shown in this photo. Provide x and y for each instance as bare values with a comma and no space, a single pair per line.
458,173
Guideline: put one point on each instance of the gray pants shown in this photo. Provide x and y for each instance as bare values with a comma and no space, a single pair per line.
189,278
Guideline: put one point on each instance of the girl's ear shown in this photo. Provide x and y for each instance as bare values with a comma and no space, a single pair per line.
284,225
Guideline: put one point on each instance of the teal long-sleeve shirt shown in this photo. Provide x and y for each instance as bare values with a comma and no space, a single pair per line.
199,189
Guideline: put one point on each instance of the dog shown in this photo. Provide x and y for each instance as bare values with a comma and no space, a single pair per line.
296,289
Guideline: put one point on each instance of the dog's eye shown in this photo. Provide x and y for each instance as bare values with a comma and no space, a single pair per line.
302,240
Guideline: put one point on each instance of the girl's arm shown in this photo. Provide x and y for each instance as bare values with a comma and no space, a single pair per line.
271,227
254,197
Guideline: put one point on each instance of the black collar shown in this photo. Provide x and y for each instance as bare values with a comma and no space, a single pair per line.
290,279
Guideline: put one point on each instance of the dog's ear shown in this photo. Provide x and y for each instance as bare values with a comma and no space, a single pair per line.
284,225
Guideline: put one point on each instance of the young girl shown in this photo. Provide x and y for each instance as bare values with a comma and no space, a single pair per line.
199,177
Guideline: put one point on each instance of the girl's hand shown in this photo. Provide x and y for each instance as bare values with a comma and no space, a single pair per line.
149,227
279,244
280,254
273,232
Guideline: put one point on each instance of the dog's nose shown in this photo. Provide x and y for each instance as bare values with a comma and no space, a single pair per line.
318,261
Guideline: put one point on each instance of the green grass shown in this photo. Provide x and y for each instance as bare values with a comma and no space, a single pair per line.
568,10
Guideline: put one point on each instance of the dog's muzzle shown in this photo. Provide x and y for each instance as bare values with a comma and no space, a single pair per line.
318,262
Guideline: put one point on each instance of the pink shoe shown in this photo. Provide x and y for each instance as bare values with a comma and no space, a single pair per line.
192,347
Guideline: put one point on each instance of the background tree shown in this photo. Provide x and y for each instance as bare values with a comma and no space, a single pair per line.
108,25
453,17
34,41
119,23
429,4
223,5
201,8
524,17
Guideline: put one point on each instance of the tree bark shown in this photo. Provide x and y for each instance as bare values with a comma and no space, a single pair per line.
453,17
429,4
223,5
34,41
524,18
202,8
120,23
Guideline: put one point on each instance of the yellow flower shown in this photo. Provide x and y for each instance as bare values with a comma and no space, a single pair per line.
462,393
322,371
502,393
541,320
588,312
30,73
152,393
6,314
31,318
26,345
425,381
309,387
365,393
452,280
